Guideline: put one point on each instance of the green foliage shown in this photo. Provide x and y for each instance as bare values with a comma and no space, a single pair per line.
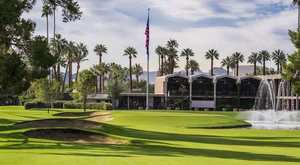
39,57
42,90
85,85
13,75
94,106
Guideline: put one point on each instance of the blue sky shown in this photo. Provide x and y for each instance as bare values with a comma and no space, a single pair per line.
225,25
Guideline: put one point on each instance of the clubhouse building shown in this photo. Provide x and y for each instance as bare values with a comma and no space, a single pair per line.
200,91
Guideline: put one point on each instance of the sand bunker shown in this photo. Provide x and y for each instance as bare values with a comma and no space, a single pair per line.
69,123
72,135
90,116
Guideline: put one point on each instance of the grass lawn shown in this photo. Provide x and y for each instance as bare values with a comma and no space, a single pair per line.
156,138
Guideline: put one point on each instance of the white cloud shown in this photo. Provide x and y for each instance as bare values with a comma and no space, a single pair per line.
107,22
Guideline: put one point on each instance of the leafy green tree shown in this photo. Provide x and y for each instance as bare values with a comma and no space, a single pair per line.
254,59
14,30
80,56
137,71
237,57
187,53
264,56
39,56
194,66
228,63
212,54
131,53
85,85
279,58
13,79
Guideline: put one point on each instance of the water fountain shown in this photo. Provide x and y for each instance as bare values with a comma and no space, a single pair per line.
275,108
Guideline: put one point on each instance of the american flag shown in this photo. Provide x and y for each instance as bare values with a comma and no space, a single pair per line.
147,33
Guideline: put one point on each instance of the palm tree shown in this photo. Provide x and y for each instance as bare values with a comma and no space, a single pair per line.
278,56
187,53
297,3
228,63
101,69
172,46
161,52
80,56
137,71
237,58
254,58
58,47
194,65
212,54
46,12
131,53
264,56
70,11
100,49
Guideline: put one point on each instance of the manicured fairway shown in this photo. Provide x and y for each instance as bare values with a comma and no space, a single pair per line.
156,138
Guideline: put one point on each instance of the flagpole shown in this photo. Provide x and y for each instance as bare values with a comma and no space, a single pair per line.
147,90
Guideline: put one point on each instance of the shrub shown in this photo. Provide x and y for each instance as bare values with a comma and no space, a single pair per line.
95,106
31,105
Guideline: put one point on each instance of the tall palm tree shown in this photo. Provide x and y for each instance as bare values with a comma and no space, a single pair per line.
101,69
46,12
228,63
264,56
211,55
58,48
254,58
161,52
172,46
131,53
137,71
100,49
194,65
237,58
297,3
187,53
80,56
279,58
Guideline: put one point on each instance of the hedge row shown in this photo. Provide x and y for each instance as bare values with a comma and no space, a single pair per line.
69,105
98,106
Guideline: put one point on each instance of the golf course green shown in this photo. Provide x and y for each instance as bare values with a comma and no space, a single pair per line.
32,137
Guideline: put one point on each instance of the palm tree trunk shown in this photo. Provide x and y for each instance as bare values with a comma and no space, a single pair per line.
187,66
278,68
264,66
77,72
64,81
159,68
130,74
228,70
47,19
254,72
54,22
237,69
212,67
70,74
100,76
162,66
58,72
102,83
